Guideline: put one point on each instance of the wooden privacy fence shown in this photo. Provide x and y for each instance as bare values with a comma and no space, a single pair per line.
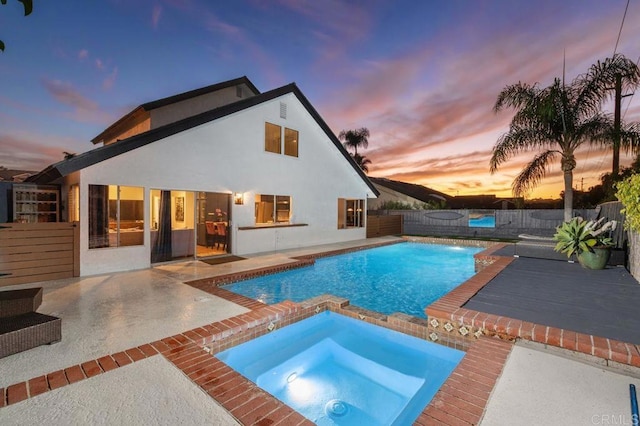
31,252
379,226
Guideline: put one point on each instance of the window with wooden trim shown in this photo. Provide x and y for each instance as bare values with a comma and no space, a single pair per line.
271,209
290,142
116,216
274,136
74,203
350,213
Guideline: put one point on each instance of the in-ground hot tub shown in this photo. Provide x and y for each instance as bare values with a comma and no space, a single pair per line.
337,370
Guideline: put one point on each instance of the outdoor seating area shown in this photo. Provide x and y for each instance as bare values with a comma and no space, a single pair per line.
21,327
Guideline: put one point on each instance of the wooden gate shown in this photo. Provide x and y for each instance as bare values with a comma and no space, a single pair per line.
379,226
31,252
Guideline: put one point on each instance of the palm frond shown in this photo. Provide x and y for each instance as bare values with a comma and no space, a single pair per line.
533,173
515,96
516,140
596,84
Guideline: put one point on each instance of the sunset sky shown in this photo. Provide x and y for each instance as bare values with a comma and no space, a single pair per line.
423,76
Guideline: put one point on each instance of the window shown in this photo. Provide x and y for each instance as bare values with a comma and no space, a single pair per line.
272,209
74,203
273,140
350,213
116,216
290,142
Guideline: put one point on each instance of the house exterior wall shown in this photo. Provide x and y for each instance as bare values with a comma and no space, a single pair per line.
196,105
139,123
226,156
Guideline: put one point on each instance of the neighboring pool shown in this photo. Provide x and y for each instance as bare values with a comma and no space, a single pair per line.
405,277
336,370
486,221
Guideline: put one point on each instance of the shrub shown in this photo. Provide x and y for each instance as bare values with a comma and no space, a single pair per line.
628,192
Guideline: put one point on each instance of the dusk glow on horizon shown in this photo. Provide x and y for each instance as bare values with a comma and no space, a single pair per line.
422,76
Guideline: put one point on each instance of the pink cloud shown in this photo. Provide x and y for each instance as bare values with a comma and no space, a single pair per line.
156,13
427,108
110,80
83,54
213,23
84,109
30,153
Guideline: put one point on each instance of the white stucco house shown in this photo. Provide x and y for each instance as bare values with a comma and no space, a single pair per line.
221,169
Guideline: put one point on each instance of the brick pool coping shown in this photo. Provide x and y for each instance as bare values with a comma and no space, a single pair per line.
462,398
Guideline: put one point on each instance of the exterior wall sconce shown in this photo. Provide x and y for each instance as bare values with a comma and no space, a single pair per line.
238,198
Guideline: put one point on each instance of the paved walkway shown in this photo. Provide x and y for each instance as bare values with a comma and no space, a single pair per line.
105,315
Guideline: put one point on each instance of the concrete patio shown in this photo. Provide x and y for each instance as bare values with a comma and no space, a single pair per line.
107,314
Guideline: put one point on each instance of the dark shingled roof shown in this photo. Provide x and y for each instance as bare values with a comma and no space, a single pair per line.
412,190
178,98
8,175
53,173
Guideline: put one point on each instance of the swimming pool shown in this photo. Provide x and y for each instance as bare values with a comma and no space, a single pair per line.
405,277
336,370
485,221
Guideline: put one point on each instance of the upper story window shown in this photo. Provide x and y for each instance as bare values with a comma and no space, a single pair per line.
290,142
273,137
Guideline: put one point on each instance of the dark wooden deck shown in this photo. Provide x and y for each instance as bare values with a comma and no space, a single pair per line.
560,294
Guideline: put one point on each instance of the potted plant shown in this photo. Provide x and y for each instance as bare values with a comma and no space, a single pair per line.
588,240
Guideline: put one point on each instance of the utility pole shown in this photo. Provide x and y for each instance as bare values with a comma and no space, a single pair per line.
616,126
615,169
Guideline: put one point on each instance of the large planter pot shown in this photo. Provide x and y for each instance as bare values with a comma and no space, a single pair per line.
596,260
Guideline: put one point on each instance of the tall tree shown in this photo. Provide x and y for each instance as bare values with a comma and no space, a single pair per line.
362,161
355,138
555,121
28,8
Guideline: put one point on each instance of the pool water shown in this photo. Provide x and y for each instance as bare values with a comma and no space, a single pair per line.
487,221
336,370
405,277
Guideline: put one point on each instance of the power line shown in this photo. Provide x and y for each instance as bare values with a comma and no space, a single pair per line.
631,95
615,49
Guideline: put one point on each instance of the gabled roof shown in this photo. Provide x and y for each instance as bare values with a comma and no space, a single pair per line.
14,175
146,107
412,190
63,168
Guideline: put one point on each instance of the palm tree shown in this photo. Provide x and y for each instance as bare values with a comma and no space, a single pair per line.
362,161
556,121
28,8
355,138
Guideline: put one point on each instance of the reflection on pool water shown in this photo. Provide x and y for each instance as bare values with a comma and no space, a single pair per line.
336,370
404,277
